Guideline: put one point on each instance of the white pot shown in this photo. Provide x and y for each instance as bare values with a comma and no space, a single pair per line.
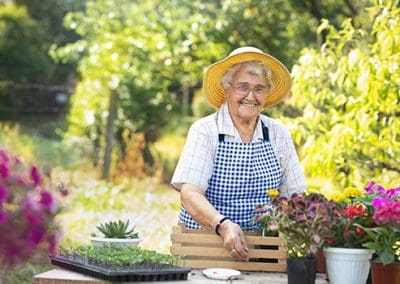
98,241
348,265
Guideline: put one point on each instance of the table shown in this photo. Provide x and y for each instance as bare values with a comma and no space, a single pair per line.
61,276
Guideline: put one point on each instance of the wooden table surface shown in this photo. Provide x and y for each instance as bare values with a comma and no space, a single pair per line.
61,276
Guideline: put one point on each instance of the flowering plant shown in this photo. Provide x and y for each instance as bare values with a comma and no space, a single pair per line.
303,221
27,211
354,213
385,232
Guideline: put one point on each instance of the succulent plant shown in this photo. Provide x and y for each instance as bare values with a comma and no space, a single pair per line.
117,230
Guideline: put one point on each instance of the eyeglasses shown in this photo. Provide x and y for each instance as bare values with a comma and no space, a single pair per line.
244,89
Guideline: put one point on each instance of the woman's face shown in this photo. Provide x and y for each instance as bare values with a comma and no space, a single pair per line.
243,104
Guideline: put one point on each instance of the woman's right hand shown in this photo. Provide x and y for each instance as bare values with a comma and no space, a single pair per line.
234,240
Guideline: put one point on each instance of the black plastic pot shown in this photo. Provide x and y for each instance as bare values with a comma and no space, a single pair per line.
135,273
301,271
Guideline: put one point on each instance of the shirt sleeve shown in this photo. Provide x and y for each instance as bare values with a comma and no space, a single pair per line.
293,180
195,164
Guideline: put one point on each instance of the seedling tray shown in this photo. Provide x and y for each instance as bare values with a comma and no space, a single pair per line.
133,273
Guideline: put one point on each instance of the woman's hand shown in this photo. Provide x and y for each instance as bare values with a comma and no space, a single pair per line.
234,240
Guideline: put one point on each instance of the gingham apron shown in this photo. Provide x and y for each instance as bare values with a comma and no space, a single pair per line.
242,174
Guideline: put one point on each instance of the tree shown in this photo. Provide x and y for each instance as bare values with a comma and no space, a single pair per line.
21,56
349,93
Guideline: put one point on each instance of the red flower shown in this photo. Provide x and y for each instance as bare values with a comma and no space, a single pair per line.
360,231
356,210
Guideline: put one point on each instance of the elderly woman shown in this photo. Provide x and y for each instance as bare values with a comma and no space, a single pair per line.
233,156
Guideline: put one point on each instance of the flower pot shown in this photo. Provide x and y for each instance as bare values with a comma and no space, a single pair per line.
98,241
321,262
348,265
385,274
301,271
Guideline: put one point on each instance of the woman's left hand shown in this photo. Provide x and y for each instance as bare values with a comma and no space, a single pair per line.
234,240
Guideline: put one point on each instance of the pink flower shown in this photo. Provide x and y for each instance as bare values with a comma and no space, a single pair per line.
53,239
48,201
3,217
34,237
3,156
317,239
388,214
4,170
27,211
35,175
3,194
273,226
380,202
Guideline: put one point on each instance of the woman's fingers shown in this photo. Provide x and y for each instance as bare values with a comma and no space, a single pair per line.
234,241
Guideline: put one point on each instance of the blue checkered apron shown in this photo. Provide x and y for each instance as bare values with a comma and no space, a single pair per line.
242,173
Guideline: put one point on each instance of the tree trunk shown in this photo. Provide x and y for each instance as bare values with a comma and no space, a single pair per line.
112,111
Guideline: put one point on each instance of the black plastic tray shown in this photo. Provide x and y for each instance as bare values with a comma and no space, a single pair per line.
140,272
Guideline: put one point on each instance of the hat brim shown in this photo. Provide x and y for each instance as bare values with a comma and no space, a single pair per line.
215,94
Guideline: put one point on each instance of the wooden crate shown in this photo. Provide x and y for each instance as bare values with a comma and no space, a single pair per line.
204,249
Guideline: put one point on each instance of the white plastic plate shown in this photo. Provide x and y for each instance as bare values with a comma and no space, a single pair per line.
221,273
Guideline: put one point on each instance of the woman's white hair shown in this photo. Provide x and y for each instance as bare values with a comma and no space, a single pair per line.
253,67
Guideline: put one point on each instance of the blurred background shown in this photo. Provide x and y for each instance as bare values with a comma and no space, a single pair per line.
104,92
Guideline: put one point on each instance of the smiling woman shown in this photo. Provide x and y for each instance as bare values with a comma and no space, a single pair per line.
233,156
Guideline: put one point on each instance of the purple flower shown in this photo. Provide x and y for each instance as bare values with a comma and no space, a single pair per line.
32,210
3,217
4,170
48,201
393,192
34,237
27,211
3,156
379,202
3,194
374,188
311,213
35,175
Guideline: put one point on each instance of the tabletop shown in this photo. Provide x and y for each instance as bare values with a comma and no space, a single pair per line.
61,276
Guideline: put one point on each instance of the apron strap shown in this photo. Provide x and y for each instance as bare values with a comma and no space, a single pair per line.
221,137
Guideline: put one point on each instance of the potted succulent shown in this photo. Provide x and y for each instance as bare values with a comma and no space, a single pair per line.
117,232
303,222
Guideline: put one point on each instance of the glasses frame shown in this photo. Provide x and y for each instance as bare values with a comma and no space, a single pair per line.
261,92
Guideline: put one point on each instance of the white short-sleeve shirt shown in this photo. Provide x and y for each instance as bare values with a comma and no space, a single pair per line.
196,162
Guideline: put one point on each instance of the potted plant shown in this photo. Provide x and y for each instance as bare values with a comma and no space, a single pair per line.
117,263
347,260
302,221
117,232
385,233
28,207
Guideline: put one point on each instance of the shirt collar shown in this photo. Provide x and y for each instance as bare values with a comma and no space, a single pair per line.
225,124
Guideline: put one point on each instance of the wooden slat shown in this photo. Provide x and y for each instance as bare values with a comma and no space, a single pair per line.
222,252
212,239
204,249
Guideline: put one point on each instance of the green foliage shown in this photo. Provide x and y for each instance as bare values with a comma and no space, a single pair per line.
383,241
21,55
150,51
348,92
117,229
115,255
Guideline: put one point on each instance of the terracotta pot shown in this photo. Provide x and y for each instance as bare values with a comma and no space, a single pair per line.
301,271
385,274
321,262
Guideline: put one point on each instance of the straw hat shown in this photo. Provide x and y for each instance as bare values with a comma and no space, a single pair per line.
214,92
